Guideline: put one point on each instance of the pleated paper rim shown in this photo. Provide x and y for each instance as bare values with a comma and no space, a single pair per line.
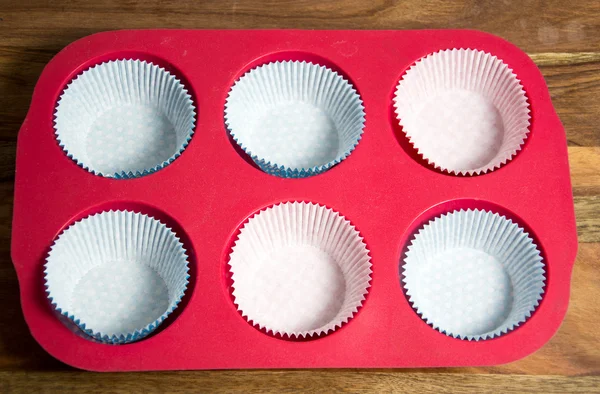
497,332
489,167
308,334
138,333
137,173
281,170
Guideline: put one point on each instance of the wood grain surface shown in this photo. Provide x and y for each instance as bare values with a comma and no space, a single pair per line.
562,37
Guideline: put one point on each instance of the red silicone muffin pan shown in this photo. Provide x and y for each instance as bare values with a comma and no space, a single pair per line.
224,203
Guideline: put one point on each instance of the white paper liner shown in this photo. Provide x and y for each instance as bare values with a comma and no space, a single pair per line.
124,119
464,111
295,119
117,275
473,274
299,269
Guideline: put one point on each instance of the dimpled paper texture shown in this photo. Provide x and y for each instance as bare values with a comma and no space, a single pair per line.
117,274
131,137
124,118
465,111
299,269
473,274
294,118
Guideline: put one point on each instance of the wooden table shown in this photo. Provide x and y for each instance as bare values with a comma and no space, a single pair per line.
563,37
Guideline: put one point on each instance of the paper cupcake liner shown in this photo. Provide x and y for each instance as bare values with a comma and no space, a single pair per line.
124,119
294,119
473,274
464,111
117,275
299,270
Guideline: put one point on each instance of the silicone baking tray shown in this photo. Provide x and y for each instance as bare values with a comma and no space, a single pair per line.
384,187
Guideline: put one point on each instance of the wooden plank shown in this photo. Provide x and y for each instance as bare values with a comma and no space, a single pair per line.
587,211
585,179
536,26
316,381
585,171
574,84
